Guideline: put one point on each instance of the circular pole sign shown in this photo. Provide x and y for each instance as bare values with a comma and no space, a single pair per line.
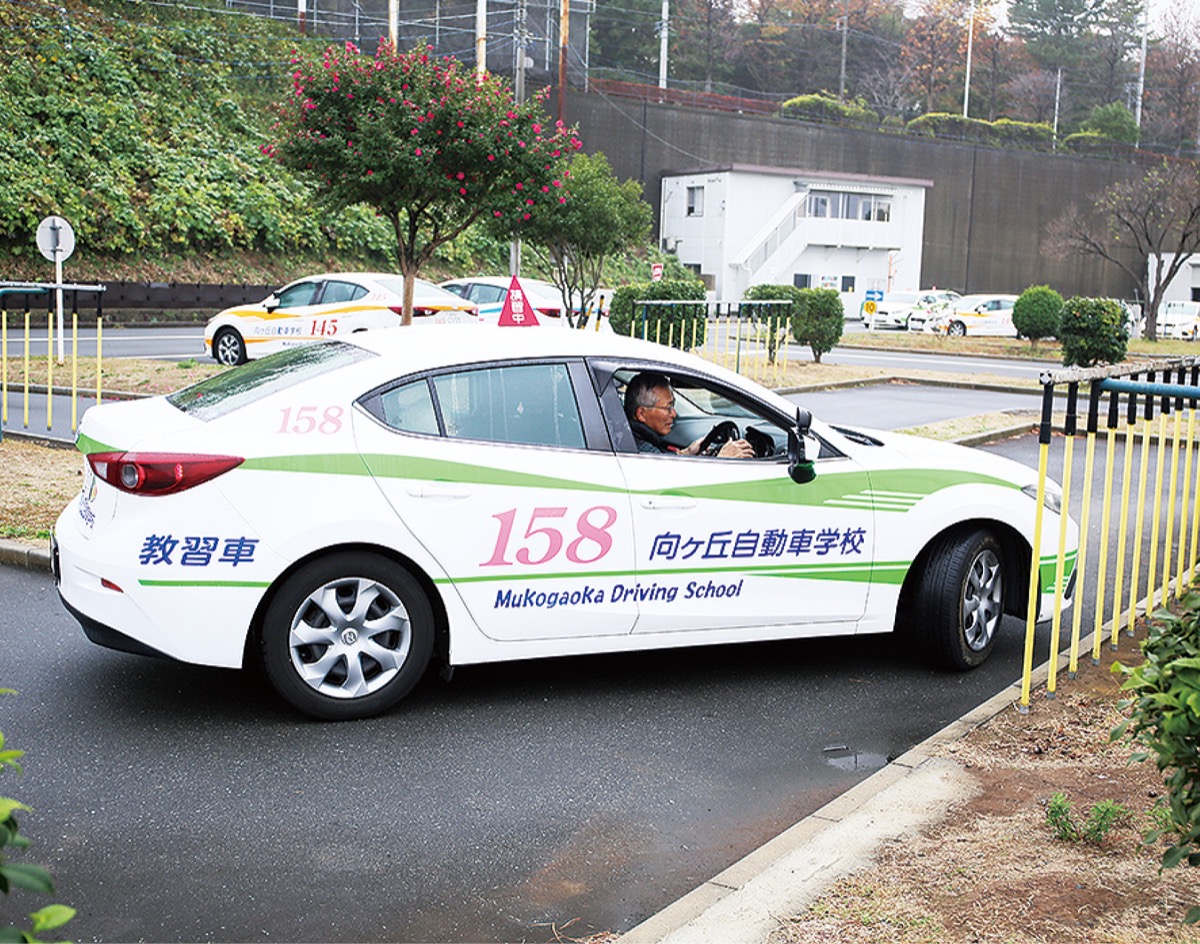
56,239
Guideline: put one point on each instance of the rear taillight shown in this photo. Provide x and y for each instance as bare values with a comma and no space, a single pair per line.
158,473
549,312
396,309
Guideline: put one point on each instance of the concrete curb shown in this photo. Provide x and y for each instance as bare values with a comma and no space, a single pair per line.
24,555
744,903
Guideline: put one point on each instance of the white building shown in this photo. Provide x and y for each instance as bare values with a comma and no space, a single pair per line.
1185,287
743,225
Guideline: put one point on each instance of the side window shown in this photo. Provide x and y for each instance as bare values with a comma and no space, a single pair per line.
302,293
410,408
341,292
487,294
532,404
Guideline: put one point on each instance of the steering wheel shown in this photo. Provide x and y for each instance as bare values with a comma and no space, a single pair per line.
762,444
718,436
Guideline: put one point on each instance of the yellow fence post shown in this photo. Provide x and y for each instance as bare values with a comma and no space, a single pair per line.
1035,559
1084,517
3,365
1159,464
1123,530
1060,557
74,371
25,416
1114,404
1184,549
1168,545
49,369
1135,573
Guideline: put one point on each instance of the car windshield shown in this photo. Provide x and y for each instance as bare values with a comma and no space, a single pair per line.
233,389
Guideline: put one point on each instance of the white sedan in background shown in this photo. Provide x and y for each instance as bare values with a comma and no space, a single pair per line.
325,306
970,315
346,513
490,292
897,307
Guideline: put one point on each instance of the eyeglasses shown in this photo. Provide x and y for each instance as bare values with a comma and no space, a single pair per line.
670,407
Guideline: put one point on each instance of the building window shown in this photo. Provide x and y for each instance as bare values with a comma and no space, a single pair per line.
695,201
802,280
847,283
839,205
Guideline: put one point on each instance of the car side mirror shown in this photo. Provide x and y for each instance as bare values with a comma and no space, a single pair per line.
800,468
271,302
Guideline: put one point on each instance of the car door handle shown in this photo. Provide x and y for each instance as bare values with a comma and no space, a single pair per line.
661,502
438,491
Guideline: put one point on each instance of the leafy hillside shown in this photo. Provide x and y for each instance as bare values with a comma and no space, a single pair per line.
141,123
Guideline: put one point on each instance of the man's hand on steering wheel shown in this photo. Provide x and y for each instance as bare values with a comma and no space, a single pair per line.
723,440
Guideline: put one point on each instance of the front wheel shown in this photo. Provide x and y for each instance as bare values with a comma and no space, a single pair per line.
229,348
957,329
347,636
959,601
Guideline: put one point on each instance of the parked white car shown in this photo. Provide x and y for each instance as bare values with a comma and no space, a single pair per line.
343,513
897,307
325,306
969,315
1179,320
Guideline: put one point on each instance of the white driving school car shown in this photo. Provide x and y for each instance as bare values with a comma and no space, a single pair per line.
326,306
347,512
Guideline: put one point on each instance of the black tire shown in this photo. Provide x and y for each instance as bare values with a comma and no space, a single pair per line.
228,348
956,329
958,602
315,651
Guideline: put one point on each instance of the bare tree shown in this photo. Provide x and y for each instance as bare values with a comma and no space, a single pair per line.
1032,95
1149,227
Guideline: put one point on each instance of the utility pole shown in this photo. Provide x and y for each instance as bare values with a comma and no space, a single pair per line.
662,43
393,22
564,34
844,25
480,37
970,44
1141,83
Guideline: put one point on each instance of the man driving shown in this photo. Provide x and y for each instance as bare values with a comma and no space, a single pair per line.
650,407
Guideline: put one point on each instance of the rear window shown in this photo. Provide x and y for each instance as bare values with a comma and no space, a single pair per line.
233,389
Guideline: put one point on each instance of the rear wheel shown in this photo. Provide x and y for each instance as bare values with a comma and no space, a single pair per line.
347,636
958,602
229,348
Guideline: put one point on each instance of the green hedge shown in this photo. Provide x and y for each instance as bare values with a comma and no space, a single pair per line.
820,107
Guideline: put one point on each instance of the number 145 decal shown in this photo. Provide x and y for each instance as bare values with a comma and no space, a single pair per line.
584,543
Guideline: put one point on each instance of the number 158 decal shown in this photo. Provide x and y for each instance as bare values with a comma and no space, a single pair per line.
585,543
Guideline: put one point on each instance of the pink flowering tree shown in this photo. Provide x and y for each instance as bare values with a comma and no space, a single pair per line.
428,143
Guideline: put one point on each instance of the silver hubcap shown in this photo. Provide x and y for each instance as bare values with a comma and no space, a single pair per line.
228,349
982,601
350,637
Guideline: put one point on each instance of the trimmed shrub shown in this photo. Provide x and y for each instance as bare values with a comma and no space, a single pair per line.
681,326
1093,331
773,321
1037,313
1095,144
1027,134
1114,121
821,107
945,125
819,321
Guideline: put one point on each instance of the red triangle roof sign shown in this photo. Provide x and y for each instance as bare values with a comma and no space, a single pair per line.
517,311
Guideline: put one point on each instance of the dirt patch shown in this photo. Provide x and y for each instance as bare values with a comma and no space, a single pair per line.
36,482
994,871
